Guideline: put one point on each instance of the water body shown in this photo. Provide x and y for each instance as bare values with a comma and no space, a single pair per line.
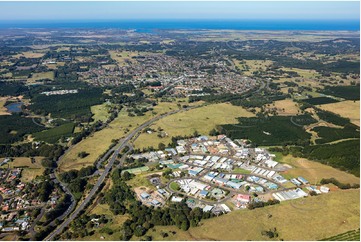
14,107
147,25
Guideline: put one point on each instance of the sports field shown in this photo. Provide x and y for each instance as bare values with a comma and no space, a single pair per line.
138,170
347,109
202,119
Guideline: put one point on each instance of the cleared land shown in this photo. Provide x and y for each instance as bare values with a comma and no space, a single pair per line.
41,76
202,119
100,112
347,109
30,170
314,171
285,107
3,110
312,218
100,141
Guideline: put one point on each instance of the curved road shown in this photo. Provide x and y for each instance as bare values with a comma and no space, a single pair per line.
109,166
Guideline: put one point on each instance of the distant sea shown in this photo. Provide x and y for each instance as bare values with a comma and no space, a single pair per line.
351,25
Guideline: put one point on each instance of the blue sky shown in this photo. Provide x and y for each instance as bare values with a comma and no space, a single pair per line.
179,10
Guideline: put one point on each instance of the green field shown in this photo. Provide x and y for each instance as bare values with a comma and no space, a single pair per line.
54,134
137,170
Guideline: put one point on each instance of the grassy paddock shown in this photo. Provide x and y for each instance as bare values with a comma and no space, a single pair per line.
30,170
100,141
312,218
347,109
315,171
202,119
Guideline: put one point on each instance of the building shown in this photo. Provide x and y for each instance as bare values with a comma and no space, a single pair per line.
203,193
244,198
303,180
234,185
207,208
144,195
225,208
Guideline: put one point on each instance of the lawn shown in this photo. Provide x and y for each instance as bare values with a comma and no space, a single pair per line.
100,141
174,186
240,170
30,171
202,119
312,218
347,109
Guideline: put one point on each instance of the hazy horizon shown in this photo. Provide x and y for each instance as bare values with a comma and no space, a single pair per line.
103,11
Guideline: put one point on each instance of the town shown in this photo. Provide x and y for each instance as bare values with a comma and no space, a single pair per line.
212,172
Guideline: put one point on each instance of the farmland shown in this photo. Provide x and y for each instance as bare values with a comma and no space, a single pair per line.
54,134
347,109
100,141
291,219
314,171
202,119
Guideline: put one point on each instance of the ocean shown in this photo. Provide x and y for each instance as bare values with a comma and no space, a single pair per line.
146,25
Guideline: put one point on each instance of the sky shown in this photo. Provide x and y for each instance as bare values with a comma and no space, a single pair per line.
323,10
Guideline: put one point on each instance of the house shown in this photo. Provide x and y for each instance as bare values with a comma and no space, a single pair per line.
176,199
303,180
296,182
244,198
234,185
225,208
220,181
203,193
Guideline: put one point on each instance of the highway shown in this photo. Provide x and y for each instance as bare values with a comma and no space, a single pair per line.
122,143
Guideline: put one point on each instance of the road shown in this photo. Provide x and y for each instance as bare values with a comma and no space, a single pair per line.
122,143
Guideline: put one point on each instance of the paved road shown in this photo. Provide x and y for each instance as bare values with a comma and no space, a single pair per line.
108,167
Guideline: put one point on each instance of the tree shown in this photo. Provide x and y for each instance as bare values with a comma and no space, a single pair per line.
185,225
161,146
